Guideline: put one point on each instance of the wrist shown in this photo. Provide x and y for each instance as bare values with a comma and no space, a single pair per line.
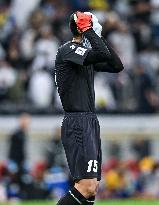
88,31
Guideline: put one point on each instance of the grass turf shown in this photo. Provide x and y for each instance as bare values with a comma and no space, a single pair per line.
110,202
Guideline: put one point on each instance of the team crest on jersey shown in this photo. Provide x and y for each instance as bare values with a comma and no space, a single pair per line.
80,51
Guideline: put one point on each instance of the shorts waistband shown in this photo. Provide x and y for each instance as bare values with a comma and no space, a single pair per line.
80,114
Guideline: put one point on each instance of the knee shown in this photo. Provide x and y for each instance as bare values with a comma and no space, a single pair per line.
91,189
87,187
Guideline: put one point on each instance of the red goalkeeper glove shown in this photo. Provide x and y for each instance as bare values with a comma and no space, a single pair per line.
83,21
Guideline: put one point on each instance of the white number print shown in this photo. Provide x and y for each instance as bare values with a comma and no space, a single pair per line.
92,166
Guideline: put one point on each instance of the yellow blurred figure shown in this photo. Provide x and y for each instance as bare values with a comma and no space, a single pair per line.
98,4
3,18
101,103
146,164
113,180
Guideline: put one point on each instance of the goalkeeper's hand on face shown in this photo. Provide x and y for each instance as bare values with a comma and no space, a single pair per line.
83,21
95,24
86,21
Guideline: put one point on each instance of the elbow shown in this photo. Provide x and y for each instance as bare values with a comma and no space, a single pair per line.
117,64
119,68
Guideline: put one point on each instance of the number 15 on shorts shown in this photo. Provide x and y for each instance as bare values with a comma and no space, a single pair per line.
92,166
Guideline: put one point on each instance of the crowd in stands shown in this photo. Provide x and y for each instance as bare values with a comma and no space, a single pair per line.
120,179
48,177
124,179
32,31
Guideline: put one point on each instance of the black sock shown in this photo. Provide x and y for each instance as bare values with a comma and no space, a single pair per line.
91,200
73,197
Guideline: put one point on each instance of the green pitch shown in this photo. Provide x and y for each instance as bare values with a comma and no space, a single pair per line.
113,202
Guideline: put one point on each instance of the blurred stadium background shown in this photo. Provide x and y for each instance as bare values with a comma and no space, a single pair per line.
32,162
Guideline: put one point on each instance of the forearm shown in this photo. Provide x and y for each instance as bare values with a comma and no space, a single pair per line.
105,67
99,51
114,62
102,55
96,42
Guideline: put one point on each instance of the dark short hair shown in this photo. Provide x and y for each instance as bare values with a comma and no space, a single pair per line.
73,26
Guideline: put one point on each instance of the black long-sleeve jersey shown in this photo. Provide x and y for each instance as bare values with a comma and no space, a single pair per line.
74,71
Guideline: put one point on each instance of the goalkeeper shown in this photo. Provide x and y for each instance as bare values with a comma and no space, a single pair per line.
75,64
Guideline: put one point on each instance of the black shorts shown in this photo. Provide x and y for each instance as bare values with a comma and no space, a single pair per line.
80,136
